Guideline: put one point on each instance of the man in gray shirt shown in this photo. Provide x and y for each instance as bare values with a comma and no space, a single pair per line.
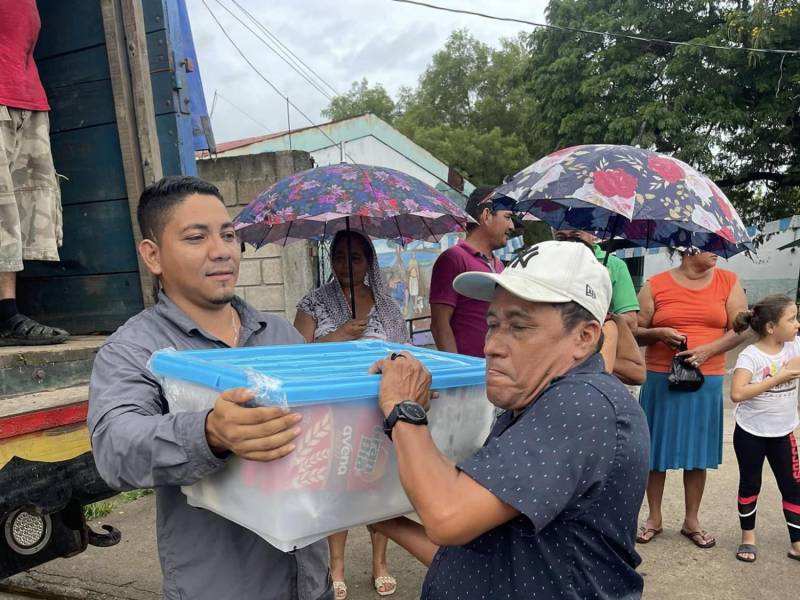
191,248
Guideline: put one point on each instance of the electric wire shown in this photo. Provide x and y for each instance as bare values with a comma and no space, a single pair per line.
288,101
284,47
600,33
308,80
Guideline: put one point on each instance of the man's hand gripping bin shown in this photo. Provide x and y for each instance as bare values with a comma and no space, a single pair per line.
342,472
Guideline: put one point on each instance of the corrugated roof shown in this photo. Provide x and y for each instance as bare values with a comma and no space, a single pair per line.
234,144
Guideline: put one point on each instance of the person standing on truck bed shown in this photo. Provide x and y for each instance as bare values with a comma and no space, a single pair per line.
190,246
30,202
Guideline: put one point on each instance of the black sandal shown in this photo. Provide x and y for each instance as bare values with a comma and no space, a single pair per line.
746,549
20,330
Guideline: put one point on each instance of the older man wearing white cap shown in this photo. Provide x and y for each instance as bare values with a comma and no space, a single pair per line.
548,507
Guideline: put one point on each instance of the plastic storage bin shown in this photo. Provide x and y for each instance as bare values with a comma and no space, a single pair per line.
343,471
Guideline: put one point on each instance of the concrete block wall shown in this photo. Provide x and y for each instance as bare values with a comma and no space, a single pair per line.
273,278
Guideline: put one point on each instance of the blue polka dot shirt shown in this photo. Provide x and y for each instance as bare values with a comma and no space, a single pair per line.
574,464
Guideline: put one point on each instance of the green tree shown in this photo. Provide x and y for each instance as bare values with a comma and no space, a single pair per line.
469,106
466,109
361,99
735,115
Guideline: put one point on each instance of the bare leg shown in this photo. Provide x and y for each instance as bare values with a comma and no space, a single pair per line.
336,544
379,544
748,537
655,494
8,285
694,483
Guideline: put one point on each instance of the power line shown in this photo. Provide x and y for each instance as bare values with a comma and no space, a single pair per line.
241,110
268,45
262,76
600,33
286,98
288,50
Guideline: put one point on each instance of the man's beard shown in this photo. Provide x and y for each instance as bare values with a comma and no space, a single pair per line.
225,299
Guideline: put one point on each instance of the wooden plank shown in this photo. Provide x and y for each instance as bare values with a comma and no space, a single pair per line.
142,91
42,420
43,401
98,238
133,100
90,160
90,64
76,347
81,105
82,305
30,379
70,25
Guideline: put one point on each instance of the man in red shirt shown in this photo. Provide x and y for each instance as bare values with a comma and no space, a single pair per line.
458,323
30,202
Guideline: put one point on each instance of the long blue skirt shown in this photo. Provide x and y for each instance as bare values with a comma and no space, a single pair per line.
685,427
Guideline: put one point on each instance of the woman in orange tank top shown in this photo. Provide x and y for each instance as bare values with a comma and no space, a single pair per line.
697,303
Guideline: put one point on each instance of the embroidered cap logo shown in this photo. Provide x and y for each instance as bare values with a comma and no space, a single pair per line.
590,292
523,259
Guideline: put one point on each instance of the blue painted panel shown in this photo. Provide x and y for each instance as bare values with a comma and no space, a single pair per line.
175,143
154,11
82,105
69,25
165,98
90,64
83,304
158,54
202,136
92,161
97,239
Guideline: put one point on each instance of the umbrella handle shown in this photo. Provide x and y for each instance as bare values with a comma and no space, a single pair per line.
350,267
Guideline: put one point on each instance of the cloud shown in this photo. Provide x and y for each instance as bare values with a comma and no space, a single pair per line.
344,41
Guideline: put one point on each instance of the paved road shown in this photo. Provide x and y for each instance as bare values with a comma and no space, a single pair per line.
673,568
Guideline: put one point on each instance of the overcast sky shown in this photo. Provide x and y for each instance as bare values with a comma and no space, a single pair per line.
342,40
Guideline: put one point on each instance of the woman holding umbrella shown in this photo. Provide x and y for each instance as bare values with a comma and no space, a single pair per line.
325,315
376,201
694,304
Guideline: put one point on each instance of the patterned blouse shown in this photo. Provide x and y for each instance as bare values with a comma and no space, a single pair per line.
314,306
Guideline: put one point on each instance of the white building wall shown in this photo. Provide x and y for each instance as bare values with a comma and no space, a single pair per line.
369,150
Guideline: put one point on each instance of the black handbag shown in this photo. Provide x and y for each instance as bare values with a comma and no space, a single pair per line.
683,376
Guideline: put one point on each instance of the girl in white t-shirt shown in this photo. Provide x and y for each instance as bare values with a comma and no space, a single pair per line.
764,388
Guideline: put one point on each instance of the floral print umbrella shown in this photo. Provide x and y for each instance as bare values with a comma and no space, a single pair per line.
639,195
380,202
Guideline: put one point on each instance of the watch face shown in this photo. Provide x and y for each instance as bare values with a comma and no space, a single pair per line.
413,410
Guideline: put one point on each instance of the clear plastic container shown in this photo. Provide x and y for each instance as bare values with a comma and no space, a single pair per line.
343,471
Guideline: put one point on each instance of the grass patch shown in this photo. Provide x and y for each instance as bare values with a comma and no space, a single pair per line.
98,510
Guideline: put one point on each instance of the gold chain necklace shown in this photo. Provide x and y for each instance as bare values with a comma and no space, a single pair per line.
234,326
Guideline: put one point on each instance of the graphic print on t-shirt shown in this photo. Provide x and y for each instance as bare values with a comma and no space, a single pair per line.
771,370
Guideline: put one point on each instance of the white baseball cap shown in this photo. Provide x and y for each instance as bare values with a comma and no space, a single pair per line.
551,272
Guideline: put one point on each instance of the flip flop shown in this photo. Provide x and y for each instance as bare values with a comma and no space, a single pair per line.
694,536
746,549
339,590
384,581
793,556
643,531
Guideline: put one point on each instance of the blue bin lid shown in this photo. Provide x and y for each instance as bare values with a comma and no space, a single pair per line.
312,373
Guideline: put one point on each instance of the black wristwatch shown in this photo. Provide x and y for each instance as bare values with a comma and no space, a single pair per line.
407,411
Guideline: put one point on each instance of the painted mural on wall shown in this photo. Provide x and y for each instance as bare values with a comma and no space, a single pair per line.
407,272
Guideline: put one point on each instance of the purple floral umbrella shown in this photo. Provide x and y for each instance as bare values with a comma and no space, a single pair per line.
379,202
635,194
